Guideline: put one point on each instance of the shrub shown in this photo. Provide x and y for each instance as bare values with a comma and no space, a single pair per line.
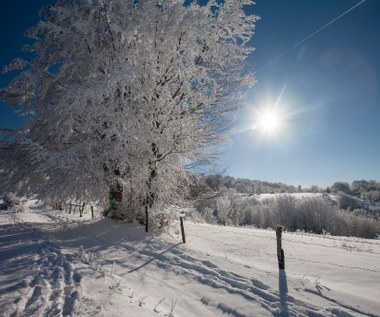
343,223
346,201
312,214
223,209
10,200
286,211
208,215
315,214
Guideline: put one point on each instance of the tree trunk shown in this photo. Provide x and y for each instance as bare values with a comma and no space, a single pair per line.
146,218
149,200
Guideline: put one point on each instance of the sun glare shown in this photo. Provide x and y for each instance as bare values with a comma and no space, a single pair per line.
271,118
269,121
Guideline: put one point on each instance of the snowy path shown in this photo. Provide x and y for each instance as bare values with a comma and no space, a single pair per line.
51,265
36,278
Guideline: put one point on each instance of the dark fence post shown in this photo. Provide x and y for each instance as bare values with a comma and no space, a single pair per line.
280,251
182,230
146,218
81,210
92,212
70,208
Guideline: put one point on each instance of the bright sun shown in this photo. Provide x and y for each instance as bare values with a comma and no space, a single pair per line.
269,121
271,118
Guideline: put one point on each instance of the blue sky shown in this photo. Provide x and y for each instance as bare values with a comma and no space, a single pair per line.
330,95
325,91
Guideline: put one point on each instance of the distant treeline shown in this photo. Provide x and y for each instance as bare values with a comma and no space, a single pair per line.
364,189
342,209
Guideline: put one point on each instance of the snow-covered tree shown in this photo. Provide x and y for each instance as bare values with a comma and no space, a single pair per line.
223,204
124,94
340,187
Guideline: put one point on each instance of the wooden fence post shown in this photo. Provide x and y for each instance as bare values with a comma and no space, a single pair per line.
280,251
92,212
81,210
70,208
182,230
146,218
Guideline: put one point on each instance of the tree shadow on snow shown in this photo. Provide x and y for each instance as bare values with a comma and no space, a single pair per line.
154,257
136,247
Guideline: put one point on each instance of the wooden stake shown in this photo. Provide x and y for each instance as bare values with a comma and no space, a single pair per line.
92,212
70,208
81,210
182,230
146,218
280,251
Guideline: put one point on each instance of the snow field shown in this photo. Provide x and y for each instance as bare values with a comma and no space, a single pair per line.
54,265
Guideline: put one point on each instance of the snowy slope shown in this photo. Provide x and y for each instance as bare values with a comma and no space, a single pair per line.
54,264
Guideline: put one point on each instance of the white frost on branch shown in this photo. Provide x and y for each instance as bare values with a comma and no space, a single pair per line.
125,92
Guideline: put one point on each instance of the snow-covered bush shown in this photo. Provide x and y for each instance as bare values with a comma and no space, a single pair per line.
86,257
262,216
208,215
312,214
223,204
242,209
286,211
22,207
196,217
10,200
372,195
343,223
346,201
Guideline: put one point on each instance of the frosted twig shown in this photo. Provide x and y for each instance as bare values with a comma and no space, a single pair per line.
118,286
173,307
141,301
159,302
112,269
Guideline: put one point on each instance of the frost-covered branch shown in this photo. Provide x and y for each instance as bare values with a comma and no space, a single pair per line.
125,94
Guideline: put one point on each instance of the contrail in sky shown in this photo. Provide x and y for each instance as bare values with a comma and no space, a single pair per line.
319,30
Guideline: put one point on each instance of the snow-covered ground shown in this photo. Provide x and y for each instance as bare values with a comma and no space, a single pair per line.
55,264
295,195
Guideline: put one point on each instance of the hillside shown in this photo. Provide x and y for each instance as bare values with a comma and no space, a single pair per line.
54,264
